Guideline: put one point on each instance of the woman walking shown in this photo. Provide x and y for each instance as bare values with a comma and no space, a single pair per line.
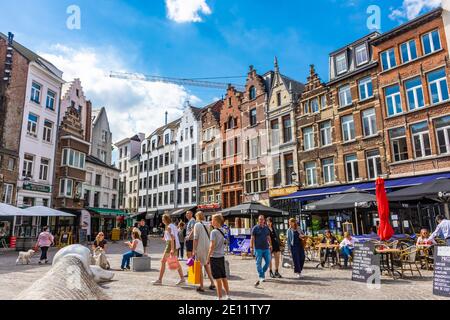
136,250
201,249
294,243
44,241
276,251
216,257
172,246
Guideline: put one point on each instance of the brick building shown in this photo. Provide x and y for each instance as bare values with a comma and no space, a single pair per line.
211,158
231,130
12,99
413,75
254,137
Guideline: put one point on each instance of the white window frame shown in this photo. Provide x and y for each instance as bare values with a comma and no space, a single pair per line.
354,164
328,168
373,159
311,173
445,130
408,50
358,51
345,93
7,196
44,169
32,126
364,82
28,165
341,61
347,128
394,103
371,117
394,140
421,136
308,138
47,131
36,92
438,86
63,188
51,99
315,101
325,134
389,62
69,154
432,44
414,90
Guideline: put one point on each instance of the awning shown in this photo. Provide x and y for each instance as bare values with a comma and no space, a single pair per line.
429,190
180,211
7,210
41,211
316,193
150,215
347,200
108,212
252,208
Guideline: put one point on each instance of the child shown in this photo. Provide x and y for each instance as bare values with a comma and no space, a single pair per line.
181,238
216,257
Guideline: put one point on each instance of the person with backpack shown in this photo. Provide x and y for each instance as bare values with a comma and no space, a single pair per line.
201,248
216,257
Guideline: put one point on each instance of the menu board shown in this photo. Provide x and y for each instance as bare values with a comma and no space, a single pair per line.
365,261
441,278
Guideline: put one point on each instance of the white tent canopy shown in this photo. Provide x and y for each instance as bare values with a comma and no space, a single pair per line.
41,211
7,210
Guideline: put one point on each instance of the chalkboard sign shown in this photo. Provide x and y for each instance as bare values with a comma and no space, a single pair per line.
365,262
441,279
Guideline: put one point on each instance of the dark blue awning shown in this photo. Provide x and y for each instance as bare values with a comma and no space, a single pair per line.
314,194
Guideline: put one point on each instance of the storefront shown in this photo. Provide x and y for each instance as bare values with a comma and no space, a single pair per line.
106,220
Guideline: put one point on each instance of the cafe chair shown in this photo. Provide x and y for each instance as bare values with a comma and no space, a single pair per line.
408,258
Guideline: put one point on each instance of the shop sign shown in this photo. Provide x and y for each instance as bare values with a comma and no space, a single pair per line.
37,188
209,206
274,193
86,221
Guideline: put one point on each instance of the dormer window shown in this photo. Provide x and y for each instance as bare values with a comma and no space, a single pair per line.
361,54
341,63
252,93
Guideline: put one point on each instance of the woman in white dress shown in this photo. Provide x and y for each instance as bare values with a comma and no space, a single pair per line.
201,248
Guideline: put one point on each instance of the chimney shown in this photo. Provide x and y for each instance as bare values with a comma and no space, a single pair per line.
166,117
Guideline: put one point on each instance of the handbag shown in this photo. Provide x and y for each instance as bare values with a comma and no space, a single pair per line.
195,272
173,263
190,261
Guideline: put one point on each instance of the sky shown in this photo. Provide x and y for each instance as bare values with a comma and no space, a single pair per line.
188,39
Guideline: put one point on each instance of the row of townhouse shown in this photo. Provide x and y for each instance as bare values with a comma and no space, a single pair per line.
53,147
383,112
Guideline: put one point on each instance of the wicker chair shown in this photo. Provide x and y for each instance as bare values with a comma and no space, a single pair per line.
408,258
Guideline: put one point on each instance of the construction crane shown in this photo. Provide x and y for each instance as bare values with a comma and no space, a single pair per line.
196,82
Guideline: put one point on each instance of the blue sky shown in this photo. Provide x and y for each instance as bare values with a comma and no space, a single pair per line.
188,38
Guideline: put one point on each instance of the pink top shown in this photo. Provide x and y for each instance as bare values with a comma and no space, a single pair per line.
45,239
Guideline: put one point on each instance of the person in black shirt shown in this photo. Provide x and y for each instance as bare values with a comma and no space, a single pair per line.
144,234
99,241
276,251
329,239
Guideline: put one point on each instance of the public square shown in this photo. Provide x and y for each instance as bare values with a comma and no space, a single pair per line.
317,284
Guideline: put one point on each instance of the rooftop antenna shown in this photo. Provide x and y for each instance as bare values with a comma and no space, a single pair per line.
167,113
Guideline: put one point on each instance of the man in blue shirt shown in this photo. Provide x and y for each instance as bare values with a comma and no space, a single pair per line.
442,229
261,245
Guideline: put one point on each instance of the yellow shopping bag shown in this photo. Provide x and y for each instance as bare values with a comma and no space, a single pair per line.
194,273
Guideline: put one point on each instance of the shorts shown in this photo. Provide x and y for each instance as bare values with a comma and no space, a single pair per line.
189,245
218,268
144,241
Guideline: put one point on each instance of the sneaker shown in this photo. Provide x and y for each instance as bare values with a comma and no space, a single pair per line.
228,298
262,280
278,275
299,275
157,282
181,282
257,284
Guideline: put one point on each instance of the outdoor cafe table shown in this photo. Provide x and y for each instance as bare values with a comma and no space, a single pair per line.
387,260
322,246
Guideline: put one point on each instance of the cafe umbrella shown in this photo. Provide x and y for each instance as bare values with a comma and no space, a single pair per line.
252,209
385,230
7,210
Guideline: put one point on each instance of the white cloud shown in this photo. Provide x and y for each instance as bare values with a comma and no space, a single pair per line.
132,106
410,9
182,11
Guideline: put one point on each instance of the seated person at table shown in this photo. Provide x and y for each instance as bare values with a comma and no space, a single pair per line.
329,239
424,238
346,246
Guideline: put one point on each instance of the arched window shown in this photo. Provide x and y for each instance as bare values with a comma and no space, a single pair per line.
252,94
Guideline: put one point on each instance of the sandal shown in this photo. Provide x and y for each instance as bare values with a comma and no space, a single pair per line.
212,287
200,289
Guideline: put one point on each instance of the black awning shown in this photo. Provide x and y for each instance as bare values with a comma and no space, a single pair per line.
348,200
252,208
434,190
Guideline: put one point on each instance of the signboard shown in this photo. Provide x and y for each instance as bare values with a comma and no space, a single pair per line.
273,193
240,244
209,206
85,221
37,188
365,262
441,277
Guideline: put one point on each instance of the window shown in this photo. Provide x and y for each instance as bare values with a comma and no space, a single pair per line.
289,167
369,122
105,139
365,88
341,63
323,101
276,171
348,128
373,164
186,195
398,144
328,170
47,133
431,42
74,159
315,105
442,126
7,195
186,154
194,194
308,138
388,59
362,56
275,133
421,139
11,164
43,169
311,173
217,174
252,93
345,96
66,188
278,99
255,181
287,132
27,170
194,173
32,124
255,148
325,133
191,132
166,178
437,81
193,151
393,100
306,107
50,103
167,138
36,92
186,174
408,51
253,117
351,166
98,180
414,93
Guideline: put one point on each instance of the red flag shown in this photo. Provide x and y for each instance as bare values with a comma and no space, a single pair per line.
385,230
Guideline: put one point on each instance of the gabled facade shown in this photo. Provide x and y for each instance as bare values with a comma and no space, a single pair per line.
101,146
282,154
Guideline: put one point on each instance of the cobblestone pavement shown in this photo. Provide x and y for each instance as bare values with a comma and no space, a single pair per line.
316,284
